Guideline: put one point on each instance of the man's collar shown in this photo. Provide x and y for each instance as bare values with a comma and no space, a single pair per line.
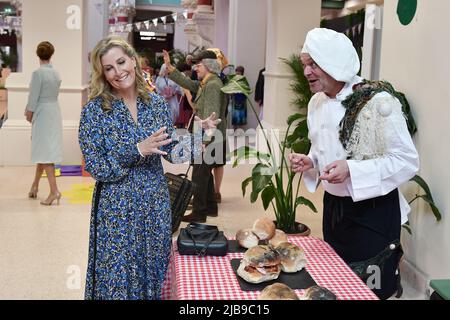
205,79
348,88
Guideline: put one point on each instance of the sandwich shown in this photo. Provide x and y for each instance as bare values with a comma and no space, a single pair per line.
259,264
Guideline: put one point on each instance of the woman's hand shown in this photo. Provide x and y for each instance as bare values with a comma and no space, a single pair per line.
300,162
151,144
336,172
28,115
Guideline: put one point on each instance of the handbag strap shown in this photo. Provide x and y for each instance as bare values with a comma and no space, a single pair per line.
202,226
202,252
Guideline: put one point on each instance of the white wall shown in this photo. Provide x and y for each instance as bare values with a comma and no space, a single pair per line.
47,20
288,23
96,13
414,59
247,41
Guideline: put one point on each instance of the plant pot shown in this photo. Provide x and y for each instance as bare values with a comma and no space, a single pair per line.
299,229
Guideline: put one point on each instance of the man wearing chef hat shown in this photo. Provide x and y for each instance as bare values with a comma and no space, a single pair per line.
362,152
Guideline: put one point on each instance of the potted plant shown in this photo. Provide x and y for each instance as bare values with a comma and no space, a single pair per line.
272,177
8,60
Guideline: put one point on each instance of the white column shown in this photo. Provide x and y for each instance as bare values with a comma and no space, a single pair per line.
222,16
62,23
247,42
288,23
370,66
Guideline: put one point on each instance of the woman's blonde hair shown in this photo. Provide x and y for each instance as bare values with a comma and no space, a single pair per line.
99,86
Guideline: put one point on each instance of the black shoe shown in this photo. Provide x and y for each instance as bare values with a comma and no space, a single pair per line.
213,213
194,217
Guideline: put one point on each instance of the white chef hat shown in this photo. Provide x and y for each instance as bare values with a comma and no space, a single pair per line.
333,52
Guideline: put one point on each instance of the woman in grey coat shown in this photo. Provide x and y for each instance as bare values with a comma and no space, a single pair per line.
45,116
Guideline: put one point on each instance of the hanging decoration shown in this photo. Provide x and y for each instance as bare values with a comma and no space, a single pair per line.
121,13
406,10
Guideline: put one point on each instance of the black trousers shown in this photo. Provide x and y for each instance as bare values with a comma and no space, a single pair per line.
204,201
361,230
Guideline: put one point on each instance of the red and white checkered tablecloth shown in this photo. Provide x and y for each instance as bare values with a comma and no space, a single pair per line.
213,278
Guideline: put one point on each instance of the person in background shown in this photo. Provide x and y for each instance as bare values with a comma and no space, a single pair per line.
147,72
219,169
44,113
124,130
239,105
259,92
362,152
186,104
210,98
169,90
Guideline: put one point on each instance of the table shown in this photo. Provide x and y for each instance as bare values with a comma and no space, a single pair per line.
212,278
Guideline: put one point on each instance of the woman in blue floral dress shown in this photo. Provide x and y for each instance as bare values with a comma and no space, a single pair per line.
124,130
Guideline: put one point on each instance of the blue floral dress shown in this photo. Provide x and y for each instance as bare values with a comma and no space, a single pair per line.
130,233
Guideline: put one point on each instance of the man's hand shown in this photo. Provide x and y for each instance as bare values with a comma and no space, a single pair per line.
151,144
336,172
300,162
167,62
28,115
209,123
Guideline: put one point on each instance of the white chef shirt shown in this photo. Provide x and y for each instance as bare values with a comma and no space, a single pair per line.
368,178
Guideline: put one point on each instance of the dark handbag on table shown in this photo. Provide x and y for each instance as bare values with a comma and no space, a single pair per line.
180,190
202,240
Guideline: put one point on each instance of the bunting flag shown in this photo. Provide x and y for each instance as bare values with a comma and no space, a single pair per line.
148,24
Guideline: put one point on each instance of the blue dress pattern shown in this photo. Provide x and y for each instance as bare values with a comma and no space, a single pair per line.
129,246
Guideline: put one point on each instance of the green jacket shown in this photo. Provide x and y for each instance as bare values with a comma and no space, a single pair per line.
209,97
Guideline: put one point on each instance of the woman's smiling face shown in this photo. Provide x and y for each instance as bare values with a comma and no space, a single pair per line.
119,70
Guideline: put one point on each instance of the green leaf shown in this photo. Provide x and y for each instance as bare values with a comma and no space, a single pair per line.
302,146
435,210
407,227
428,196
267,195
419,180
306,202
299,84
237,84
254,196
294,117
245,184
247,153
259,182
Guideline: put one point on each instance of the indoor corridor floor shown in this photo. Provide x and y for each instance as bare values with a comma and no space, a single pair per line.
44,249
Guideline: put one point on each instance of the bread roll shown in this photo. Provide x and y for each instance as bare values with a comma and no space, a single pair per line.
278,238
246,238
260,264
278,291
318,293
264,228
293,258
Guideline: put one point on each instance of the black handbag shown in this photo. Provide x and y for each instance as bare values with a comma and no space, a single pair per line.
180,190
202,240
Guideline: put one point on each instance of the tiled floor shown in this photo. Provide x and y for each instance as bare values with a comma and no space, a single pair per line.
43,250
